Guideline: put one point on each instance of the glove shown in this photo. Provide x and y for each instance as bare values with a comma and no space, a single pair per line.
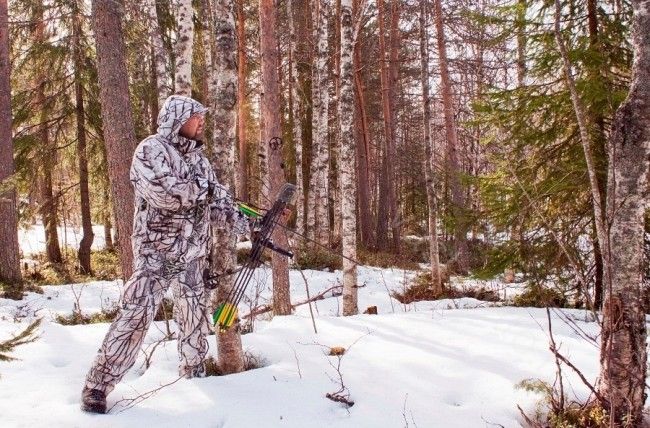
224,211
240,223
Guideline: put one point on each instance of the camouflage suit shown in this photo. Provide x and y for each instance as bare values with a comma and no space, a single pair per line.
175,193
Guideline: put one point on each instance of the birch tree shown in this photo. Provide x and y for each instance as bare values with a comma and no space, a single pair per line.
317,205
347,167
184,46
429,174
160,61
623,355
297,109
119,134
223,100
10,256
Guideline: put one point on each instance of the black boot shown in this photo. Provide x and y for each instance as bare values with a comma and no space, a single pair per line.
93,400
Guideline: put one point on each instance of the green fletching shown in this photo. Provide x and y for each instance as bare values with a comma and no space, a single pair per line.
248,211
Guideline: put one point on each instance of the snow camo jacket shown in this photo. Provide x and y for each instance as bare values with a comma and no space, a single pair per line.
174,184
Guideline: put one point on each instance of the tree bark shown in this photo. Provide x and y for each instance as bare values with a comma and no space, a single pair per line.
347,167
160,61
84,193
297,114
10,256
451,134
363,149
387,204
119,132
585,137
184,46
48,202
271,139
317,211
429,174
623,356
242,181
224,102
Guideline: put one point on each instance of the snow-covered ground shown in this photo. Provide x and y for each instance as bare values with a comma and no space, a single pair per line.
32,239
449,363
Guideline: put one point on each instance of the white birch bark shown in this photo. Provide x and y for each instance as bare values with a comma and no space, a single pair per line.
318,214
297,115
347,167
623,354
160,56
184,46
223,93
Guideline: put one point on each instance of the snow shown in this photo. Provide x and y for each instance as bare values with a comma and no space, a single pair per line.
32,239
447,363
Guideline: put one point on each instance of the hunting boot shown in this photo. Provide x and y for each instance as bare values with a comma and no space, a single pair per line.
93,400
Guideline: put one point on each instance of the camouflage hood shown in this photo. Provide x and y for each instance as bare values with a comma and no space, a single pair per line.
176,110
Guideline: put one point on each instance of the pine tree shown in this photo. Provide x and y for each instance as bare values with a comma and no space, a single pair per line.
271,140
117,119
10,258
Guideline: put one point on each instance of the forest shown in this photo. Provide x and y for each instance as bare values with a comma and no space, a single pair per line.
447,155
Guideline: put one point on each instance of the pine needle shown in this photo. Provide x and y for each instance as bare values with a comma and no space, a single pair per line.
26,336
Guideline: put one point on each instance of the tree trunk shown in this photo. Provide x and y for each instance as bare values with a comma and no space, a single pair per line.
429,174
363,150
347,167
318,212
393,75
86,221
334,186
117,118
242,181
271,139
297,109
48,202
184,46
387,204
623,357
10,256
585,137
224,102
160,61
451,134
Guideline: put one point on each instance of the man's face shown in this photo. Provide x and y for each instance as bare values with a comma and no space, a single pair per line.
193,128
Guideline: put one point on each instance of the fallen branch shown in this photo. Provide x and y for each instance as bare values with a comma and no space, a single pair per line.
268,308
130,402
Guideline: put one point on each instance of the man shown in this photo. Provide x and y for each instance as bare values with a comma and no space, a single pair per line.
176,197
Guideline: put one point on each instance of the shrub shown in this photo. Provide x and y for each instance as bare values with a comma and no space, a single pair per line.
77,318
105,265
384,259
317,258
554,411
538,296
421,288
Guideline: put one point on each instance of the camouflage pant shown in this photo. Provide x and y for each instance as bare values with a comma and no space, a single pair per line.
142,296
